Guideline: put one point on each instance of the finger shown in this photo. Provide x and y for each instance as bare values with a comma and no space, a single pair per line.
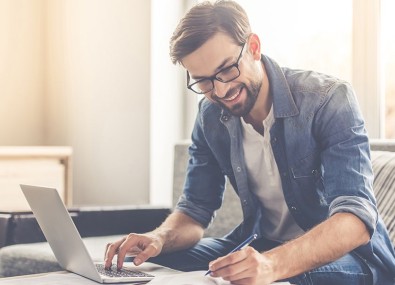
105,252
131,241
235,273
111,250
149,251
229,272
133,251
227,260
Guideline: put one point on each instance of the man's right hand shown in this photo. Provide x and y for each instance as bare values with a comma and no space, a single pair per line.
142,246
177,232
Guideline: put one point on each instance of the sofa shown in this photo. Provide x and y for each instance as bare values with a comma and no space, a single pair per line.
23,257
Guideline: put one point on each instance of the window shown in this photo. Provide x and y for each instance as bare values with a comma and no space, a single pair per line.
349,39
388,65
306,34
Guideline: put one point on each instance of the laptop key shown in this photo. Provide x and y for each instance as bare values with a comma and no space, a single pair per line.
121,273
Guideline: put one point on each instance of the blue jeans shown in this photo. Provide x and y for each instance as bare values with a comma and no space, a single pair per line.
348,270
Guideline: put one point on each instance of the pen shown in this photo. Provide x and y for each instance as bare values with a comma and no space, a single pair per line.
244,244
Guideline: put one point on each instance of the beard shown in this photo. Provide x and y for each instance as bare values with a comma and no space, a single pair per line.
241,109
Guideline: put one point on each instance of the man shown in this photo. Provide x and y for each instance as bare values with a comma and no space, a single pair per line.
294,147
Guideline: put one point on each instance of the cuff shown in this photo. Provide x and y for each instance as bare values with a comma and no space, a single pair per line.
199,214
360,207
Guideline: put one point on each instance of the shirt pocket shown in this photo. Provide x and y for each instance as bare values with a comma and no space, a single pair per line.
307,177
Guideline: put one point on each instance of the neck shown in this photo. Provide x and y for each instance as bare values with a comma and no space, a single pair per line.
262,106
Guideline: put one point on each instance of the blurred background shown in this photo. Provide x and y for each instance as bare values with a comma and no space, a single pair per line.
95,75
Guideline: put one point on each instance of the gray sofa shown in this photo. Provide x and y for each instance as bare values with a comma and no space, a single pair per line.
22,259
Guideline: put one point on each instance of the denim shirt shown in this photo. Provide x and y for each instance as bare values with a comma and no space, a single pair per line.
321,149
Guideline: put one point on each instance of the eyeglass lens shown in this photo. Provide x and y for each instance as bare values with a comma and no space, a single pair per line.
226,75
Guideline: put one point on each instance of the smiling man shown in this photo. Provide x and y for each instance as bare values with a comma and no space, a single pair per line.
294,147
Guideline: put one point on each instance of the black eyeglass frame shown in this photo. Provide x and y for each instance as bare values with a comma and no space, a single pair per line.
214,77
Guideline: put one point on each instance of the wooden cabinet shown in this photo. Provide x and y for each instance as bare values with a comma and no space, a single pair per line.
43,166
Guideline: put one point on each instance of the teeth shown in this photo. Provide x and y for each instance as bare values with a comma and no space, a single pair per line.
234,96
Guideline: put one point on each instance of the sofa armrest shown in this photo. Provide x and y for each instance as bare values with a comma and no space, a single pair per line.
4,224
382,145
106,221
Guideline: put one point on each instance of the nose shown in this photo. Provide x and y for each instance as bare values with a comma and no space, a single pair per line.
220,88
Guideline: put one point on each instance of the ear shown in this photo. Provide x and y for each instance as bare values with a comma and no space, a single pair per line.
254,46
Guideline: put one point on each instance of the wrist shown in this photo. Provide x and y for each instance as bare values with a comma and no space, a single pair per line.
160,236
274,266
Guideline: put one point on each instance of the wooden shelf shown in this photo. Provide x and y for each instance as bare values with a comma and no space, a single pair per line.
49,166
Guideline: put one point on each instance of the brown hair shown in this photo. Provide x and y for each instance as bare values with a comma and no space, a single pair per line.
203,21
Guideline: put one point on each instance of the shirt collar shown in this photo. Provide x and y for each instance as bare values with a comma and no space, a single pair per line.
283,102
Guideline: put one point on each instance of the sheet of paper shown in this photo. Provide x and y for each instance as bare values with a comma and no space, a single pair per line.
67,278
193,278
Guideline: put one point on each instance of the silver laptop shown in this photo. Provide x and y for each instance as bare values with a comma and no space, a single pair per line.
68,247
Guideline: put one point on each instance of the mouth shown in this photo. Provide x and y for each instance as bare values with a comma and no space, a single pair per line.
232,97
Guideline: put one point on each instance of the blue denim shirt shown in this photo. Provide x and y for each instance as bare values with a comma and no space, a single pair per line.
321,148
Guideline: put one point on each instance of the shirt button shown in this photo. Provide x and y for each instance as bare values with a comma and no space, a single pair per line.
274,139
238,169
245,202
314,172
293,208
225,117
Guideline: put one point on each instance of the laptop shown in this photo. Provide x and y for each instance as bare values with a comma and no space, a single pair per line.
68,247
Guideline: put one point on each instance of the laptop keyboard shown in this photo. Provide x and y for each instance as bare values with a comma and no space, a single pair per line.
121,273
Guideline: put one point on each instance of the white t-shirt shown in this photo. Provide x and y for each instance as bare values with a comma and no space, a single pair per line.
264,180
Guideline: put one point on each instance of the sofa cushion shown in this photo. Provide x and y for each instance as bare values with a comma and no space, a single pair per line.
228,216
384,182
24,259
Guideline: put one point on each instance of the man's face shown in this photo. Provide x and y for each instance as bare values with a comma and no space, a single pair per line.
218,53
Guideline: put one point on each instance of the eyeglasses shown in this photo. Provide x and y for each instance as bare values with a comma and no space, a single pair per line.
225,75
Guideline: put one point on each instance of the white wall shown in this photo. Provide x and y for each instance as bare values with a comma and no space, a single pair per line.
21,72
78,73
98,95
366,65
167,100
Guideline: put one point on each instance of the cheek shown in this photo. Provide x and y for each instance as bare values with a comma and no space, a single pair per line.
255,77
250,73
252,70
209,96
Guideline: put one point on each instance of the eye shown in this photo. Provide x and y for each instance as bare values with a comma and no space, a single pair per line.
228,74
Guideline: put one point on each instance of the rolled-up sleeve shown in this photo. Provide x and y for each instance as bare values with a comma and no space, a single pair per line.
360,207
200,214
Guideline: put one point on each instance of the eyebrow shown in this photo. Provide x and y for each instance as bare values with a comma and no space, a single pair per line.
219,67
